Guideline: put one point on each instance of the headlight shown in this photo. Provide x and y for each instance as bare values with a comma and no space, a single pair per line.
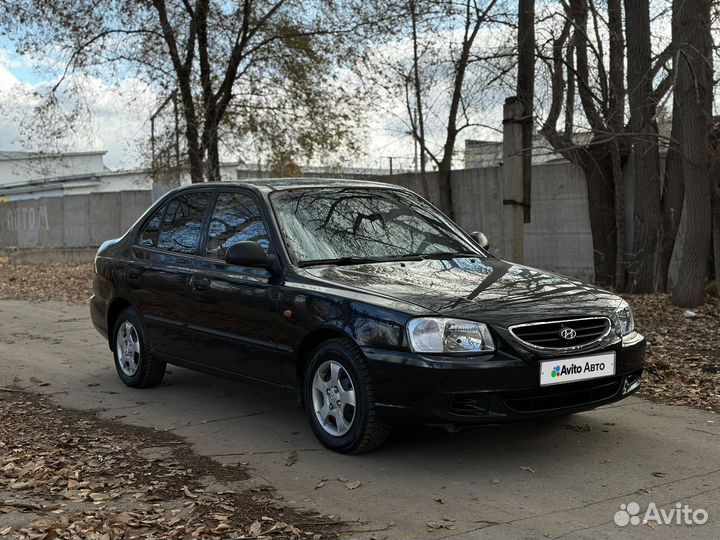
624,322
440,335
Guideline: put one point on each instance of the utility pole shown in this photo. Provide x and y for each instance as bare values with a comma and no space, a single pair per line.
512,168
525,92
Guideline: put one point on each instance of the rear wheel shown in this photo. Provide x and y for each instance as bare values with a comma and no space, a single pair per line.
134,362
339,399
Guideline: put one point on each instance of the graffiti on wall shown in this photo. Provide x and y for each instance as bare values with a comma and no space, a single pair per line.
27,218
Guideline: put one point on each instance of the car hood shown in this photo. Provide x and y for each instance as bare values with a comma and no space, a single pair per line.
482,289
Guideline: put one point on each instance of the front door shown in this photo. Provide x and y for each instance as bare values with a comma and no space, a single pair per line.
235,313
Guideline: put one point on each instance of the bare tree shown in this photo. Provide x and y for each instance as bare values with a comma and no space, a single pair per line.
444,75
693,92
578,62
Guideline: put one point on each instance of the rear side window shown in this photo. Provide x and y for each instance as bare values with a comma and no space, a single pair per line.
151,232
236,218
182,222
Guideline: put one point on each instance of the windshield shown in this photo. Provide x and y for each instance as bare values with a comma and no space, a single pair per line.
356,224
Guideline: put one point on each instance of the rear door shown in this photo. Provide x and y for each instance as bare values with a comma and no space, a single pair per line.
159,271
235,309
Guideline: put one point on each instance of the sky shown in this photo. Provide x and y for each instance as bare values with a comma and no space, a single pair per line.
117,118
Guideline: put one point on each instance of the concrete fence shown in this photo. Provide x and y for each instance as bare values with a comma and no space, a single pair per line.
558,238
73,221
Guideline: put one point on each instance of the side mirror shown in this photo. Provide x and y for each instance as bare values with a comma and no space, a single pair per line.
250,253
481,239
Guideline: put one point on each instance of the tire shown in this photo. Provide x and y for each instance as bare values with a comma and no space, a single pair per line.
133,360
338,364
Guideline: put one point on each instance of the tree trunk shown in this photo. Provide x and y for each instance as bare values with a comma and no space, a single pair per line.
619,194
615,121
445,188
643,128
601,202
420,123
672,200
213,159
716,228
673,190
693,90
192,136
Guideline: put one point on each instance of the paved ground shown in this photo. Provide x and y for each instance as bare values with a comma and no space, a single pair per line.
565,478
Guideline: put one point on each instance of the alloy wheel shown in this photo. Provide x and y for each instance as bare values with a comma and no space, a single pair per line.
127,348
334,398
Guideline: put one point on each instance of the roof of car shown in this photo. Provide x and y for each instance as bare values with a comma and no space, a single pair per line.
277,184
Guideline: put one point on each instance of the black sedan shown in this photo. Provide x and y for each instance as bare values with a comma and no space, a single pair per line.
362,298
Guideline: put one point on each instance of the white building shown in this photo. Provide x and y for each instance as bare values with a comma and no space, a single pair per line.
32,175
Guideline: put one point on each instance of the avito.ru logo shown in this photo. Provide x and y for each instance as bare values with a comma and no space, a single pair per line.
678,515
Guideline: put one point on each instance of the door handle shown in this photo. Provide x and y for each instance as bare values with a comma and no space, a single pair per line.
199,284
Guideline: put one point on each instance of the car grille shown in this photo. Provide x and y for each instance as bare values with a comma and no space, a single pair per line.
562,395
547,335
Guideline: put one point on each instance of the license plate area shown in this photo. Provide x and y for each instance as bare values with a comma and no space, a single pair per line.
579,368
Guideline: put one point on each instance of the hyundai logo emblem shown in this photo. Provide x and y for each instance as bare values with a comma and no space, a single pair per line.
567,333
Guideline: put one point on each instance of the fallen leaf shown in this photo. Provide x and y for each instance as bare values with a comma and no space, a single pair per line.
528,469
187,492
292,459
255,529
353,485
320,484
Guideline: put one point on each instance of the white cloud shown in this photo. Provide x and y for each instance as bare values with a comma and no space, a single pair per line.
116,119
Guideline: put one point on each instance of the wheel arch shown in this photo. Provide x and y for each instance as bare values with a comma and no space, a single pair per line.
309,343
116,306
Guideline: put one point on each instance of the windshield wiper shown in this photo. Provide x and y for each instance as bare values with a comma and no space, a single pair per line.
341,261
446,256
345,261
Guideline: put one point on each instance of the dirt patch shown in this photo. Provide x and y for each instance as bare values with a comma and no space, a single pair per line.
70,474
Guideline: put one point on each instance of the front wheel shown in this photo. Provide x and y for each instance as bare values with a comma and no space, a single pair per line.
339,399
134,362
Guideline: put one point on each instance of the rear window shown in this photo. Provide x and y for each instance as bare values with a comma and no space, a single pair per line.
151,232
182,222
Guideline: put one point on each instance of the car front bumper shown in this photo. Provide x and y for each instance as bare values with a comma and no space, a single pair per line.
426,389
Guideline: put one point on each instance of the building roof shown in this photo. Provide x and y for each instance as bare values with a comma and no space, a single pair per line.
11,155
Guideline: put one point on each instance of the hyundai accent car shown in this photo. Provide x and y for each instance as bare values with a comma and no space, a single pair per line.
362,298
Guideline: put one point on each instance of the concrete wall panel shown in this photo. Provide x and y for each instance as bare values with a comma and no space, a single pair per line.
70,221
